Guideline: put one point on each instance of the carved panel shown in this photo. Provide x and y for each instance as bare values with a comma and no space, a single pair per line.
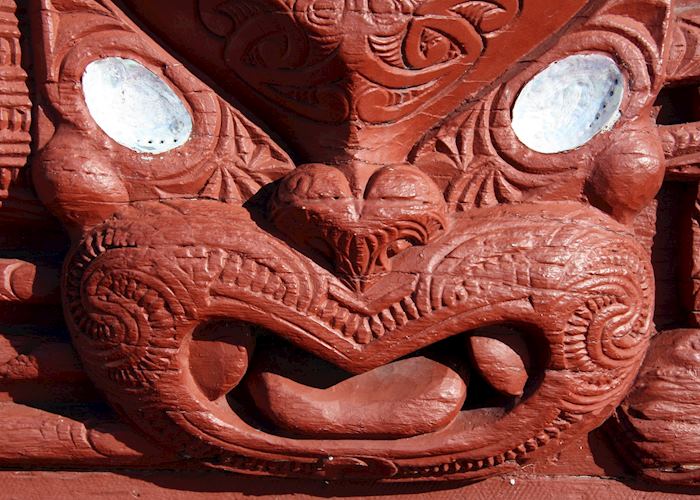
316,238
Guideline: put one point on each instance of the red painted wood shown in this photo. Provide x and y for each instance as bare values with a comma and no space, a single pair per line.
352,278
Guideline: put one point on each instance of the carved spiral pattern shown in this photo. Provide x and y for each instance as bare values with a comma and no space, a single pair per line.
611,328
123,310
127,317
280,48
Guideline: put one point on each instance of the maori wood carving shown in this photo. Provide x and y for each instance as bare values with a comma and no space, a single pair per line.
312,238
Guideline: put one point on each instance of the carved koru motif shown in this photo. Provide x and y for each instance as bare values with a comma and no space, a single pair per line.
402,53
341,71
418,263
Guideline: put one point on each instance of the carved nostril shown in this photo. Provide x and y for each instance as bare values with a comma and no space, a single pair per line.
401,208
400,245
316,182
403,182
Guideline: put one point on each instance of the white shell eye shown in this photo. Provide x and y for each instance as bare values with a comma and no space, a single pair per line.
568,103
134,106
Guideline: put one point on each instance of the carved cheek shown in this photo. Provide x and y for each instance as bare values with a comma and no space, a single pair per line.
629,173
78,184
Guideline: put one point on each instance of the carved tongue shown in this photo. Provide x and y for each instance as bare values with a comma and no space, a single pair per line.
502,358
404,398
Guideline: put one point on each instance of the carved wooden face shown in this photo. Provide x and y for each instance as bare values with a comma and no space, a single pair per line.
445,284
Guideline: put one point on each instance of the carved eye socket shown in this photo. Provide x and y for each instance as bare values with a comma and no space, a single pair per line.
568,103
133,106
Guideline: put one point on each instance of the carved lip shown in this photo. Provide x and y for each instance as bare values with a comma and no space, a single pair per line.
250,275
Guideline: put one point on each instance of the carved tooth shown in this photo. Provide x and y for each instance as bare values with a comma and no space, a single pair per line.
462,293
364,332
552,432
341,317
290,298
501,357
280,292
376,327
247,274
449,295
351,325
531,445
260,279
219,356
410,308
399,315
330,309
273,283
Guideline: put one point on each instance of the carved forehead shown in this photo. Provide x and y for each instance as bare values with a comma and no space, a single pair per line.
347,70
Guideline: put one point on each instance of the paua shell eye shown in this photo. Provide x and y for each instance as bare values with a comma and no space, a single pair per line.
134,106
568,103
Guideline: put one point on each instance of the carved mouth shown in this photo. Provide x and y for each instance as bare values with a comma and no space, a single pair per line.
466,381
141,310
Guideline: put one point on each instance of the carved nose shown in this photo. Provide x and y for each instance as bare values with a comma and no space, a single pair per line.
359,226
